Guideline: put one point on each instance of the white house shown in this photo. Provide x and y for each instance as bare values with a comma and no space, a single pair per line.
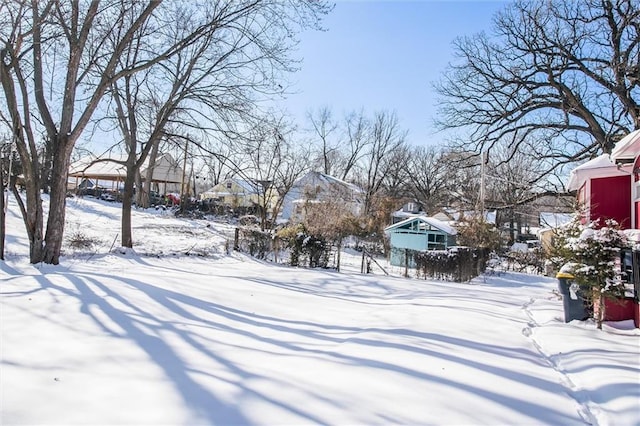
233,192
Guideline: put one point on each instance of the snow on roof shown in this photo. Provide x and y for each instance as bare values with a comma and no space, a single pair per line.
401,213
599,167
627,148
425,219
554,220
112,168
320,177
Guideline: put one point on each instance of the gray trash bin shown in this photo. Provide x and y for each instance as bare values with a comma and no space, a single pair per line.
575,306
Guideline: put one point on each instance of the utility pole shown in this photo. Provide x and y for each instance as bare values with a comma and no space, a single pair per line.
482,184
184,173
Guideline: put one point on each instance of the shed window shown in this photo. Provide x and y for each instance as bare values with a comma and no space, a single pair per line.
436,242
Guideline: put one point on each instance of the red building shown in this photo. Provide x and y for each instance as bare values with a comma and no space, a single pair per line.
604,190
627,154
608,187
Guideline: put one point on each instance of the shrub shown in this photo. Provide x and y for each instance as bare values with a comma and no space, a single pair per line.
305,249
593,251
79,240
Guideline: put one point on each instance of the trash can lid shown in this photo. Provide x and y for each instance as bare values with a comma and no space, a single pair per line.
564,275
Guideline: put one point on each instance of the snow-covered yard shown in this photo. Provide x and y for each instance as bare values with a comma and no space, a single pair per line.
158,337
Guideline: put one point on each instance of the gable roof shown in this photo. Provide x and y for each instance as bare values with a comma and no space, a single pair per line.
246,186
438,224
555,220
326,181
599,167
627,148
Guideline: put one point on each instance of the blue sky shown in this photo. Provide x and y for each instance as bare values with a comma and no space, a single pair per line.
384,55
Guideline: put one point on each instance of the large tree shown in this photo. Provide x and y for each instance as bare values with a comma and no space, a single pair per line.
556,79
427,178
385,138
324,131
54,71
211,84
272,165
64,56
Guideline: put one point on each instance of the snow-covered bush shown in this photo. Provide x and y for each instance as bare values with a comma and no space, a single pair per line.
593,250
305,249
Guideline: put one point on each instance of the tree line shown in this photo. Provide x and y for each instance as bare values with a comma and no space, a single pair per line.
552,83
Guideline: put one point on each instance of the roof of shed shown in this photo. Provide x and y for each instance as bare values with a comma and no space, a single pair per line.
425,219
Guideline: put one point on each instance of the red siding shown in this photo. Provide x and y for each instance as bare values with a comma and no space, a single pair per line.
611,199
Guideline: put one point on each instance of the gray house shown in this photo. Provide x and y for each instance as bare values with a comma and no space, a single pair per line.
316,187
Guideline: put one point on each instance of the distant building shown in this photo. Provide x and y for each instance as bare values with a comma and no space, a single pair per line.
241,196
316,187
410,209
418,233
166,177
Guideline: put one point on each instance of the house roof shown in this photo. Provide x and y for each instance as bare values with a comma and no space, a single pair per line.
112,168
554,220
247,187
599,167
401,213
327,181
627,149
424,219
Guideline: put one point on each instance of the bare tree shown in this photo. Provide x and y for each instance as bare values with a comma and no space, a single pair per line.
510,186
427,178
50,55
274,164
218,159
211,84
324,130
557,80
398,174
385,138
463,172
356,138
65,56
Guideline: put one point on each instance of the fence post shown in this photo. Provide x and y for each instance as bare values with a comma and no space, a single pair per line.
276,246
406,263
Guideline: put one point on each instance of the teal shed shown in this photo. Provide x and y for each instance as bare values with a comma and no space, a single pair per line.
418,233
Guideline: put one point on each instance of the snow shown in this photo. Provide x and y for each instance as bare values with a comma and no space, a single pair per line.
627,147
155,336
599,167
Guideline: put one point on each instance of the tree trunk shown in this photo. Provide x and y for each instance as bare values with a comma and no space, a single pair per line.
57,203
2,215
141,193
127,195
45,177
